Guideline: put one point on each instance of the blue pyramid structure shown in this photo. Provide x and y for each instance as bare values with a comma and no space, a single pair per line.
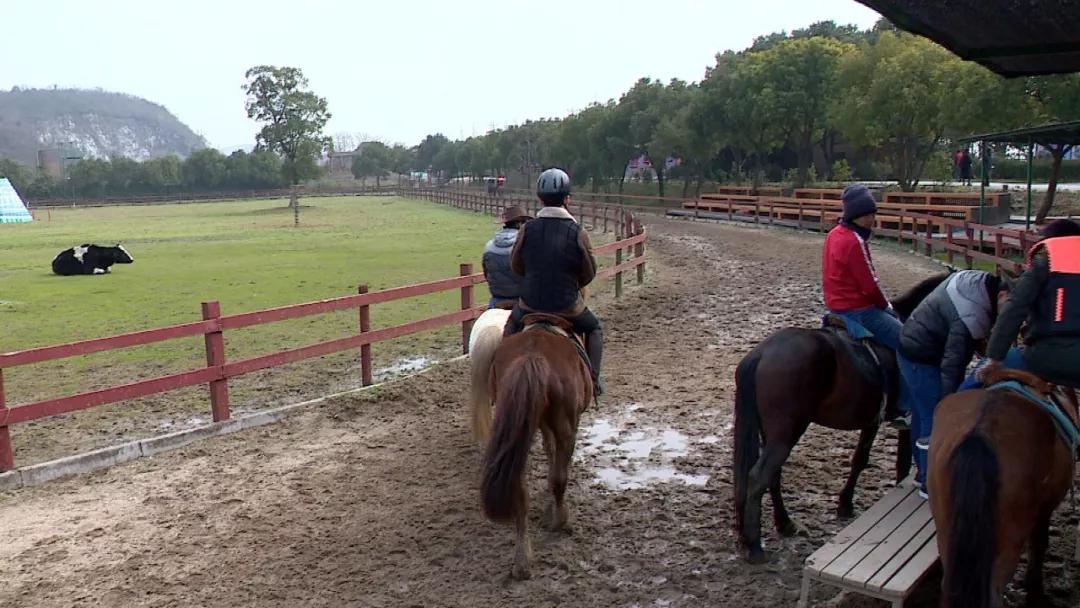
12,208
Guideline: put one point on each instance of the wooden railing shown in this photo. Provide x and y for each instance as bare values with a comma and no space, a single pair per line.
219,369
926,233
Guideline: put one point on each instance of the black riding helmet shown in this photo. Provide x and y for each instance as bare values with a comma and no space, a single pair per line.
553,186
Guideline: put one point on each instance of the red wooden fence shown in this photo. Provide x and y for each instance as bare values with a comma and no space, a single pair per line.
218,370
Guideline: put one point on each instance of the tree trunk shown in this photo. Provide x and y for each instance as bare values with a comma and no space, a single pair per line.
660,179
685,186
828,151
805,154
294,202
1058,153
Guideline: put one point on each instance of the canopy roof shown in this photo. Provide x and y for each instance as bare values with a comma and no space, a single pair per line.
1067,133
1010,37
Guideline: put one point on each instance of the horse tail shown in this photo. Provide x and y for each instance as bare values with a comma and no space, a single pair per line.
518,406
481,354
747,430
975,482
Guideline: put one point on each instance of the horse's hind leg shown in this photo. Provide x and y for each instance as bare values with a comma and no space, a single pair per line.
559,456
762,475
859,461
784,525
522,547
1033,580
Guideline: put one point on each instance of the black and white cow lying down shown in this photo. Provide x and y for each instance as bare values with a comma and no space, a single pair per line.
90,259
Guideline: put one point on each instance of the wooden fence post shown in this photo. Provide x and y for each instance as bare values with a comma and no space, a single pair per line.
365,350
948,249
7,460
999,247
639,252
618,274
467,303
970,234
215,357
929,238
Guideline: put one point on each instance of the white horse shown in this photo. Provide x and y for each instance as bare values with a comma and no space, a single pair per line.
486,334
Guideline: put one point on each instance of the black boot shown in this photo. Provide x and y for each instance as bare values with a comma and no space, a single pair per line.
594,347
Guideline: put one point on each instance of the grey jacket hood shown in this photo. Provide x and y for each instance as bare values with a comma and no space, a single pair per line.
967,291
503,241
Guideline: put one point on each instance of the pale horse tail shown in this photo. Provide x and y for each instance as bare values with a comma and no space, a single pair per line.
483,341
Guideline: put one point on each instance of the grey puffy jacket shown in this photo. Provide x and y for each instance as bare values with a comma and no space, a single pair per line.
944,328
502,282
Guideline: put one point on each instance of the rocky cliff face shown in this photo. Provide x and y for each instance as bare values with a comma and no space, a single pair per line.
73,122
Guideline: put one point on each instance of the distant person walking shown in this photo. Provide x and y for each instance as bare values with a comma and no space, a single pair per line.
965,168
957,157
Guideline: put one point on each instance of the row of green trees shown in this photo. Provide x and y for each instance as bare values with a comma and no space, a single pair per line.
826,101
206,170
878,97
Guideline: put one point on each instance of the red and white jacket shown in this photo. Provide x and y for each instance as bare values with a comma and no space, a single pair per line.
848,277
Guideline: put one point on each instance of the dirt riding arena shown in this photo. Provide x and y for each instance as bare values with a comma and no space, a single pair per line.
372,500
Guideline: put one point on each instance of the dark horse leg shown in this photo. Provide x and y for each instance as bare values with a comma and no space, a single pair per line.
560,449
1037,546
762,476
783,522
859,461
903,454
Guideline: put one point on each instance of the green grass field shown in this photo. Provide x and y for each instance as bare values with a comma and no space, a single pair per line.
247,255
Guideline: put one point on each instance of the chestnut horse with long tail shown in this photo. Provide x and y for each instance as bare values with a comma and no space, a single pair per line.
800,376
540,382
998,468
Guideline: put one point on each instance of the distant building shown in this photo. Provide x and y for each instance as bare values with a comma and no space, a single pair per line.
341,162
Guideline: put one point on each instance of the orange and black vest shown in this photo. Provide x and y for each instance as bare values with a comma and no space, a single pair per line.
1057,311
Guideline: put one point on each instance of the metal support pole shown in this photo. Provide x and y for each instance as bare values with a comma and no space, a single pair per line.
1030,154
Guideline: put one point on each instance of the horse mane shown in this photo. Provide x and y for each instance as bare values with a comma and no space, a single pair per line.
905,304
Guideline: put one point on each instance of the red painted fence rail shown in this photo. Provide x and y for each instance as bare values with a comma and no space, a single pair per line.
218,370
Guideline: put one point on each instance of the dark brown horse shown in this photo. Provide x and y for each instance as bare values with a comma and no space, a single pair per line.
539,382
997,471
800,376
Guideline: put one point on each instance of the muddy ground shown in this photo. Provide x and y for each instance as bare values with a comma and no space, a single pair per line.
371,500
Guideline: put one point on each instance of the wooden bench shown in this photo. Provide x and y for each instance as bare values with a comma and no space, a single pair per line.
883,554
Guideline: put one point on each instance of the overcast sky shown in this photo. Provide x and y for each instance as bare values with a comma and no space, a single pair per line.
392,70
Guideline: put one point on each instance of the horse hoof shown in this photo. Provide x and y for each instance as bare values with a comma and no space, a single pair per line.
755,556
845,511
789,529
520,573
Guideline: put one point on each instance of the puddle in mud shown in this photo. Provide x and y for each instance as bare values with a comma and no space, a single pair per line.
629,457
407,365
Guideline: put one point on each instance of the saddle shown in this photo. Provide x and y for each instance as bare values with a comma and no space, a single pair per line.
507,304
554,324
1058,401
863,352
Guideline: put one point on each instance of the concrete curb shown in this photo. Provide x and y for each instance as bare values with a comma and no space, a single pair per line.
36,474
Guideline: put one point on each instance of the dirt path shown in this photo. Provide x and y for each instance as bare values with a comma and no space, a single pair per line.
372,500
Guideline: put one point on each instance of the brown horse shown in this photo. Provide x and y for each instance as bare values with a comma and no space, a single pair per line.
539,382
997,470
800,376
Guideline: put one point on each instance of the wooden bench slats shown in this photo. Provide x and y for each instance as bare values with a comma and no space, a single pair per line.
916,568
884,553
855,551
873,565
830,551
883,581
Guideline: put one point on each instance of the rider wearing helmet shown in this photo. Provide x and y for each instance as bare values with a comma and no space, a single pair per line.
554,256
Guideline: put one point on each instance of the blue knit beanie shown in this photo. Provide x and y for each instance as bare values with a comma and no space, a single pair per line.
857,202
